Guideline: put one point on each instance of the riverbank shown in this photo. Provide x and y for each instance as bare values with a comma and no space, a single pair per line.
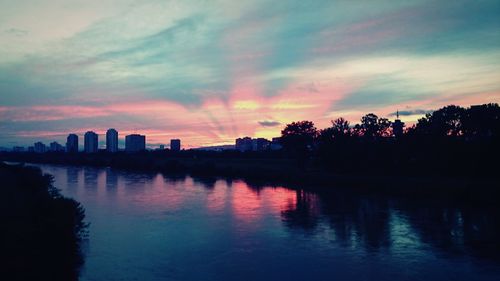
261,171
41,230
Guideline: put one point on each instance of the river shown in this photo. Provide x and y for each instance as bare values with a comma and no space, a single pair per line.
153,227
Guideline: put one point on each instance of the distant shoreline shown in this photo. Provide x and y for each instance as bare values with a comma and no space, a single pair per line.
278,171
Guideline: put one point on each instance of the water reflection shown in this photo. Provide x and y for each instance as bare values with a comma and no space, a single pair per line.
90,177
303,212
174,178
375,222
157,227
357,219
72,174
457,227
111,179
206,181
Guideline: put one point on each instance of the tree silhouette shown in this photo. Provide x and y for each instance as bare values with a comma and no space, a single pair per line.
443,122
384,127
481,121
340,128
339,131
372,126
299,135
298,138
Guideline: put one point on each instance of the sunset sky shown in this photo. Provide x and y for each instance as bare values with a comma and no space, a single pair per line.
208,72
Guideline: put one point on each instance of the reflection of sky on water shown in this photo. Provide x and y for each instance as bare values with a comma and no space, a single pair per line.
154,227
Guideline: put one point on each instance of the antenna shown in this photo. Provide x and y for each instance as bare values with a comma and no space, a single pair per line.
397,114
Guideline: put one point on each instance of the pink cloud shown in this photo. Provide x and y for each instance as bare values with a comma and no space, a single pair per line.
50,113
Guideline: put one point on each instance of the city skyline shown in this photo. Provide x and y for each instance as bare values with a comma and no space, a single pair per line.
111,143
210,72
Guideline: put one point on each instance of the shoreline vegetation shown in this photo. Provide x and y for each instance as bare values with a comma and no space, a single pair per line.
42,231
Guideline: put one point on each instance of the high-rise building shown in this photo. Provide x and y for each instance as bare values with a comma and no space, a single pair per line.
135,143
72,143
260,144
249,144
276,144
56,147
244,144
91,142
111,140
40,147
175,145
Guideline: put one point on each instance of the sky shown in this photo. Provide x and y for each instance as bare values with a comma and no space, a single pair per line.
208,72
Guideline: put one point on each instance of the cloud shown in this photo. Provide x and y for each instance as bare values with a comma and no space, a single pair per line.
212,70
411,112
16,31
269,123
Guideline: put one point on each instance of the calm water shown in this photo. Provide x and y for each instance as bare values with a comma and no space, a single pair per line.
151,227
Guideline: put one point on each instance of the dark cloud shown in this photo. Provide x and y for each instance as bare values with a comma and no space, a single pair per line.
412,112
269,123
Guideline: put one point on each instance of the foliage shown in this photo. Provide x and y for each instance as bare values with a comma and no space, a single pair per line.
42,229
451,139
446,121
299,136
372,127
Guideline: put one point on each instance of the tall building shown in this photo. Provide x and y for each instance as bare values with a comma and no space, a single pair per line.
276,144
40,147
244,144
175,145
135,143
91,142
249,144
260,144
397,126
72,143
112,140
56,147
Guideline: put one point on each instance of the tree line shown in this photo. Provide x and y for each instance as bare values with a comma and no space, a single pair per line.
451,139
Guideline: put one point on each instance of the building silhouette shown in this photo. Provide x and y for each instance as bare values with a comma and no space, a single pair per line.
397,126
18,149
249,144
40,147
175,145
56,147
135,143
91,142
276,144
72,143
112,140
260,144
243,144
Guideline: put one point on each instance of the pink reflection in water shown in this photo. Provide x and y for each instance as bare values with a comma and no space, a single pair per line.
250,205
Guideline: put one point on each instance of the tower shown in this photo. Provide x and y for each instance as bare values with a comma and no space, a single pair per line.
397,126
72,143
90,142
175,145
112,140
